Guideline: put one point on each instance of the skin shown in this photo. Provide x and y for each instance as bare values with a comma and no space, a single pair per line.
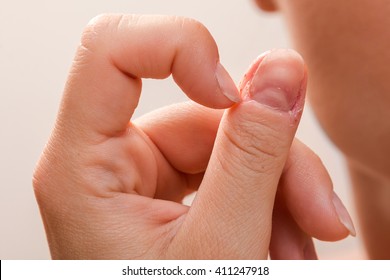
349,88
110,188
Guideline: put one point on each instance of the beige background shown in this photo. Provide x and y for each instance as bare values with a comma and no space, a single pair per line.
37,42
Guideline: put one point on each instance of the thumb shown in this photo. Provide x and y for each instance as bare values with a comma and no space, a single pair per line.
232,212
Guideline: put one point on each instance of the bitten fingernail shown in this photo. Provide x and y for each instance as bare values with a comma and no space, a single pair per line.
278,80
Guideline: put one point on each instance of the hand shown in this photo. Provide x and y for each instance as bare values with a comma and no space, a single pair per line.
111,189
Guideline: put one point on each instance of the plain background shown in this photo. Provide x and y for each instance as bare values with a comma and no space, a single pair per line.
37,43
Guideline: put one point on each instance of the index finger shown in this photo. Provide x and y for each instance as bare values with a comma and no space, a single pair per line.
118,50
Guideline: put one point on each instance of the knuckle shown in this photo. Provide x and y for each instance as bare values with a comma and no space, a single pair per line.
93,29
255,145
193,27
42,174
101,19
37,180
190,23
40,183
98,28
197,26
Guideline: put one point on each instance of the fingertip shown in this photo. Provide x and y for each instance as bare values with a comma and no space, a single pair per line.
277,79
308,191
211,86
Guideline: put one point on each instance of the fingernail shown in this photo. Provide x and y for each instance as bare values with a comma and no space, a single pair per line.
343,214
278,80
226,84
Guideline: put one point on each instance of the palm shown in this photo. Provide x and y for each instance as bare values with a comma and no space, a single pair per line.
145,190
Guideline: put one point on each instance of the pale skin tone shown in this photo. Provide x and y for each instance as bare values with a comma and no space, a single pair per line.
110,187
348,58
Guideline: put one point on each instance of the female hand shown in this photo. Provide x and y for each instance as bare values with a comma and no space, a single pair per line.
111,189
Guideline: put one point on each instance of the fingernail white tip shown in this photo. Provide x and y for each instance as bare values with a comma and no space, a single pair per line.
226,84
343,214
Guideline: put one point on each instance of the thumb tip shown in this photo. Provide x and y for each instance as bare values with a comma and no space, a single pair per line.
277,79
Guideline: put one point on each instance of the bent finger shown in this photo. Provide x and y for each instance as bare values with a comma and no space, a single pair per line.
308,192
118,50
288,241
